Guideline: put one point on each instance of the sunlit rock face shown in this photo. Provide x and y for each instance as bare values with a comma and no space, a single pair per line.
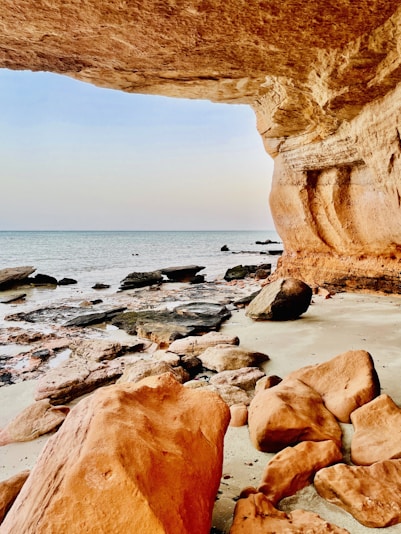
321,75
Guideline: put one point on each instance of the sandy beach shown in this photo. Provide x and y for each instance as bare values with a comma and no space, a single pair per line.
329,327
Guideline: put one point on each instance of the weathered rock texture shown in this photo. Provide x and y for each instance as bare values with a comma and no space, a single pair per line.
371,494
345,382
130,458
257,515
287,414
322,76
9,490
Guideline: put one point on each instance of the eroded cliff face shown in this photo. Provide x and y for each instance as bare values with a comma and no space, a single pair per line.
322,76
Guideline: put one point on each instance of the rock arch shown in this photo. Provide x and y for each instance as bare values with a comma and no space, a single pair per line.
322,76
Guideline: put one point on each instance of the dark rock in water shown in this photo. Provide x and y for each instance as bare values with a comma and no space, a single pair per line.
281,300
236,273
267,242
224,248
13,276
246,300
42,280
42,354
100,286
164,326
94,318
184,273
96,301
275,252
6,378
12,298
66,282
135,280
242,271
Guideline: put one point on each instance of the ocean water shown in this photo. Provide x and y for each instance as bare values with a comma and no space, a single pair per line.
109,256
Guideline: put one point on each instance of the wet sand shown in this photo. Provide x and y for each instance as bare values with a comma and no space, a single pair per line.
328,328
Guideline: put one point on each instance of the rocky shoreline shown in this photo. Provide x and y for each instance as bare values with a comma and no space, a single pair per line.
243,362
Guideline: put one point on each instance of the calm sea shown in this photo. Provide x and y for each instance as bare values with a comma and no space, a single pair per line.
107,257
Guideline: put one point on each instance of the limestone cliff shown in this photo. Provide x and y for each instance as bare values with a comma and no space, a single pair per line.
322,76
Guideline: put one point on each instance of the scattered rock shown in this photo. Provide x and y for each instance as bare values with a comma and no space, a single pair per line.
13,276
345,382
255,514
229,357
239,415
137,279
9,490
244,378
236,273
42,354
185,273
377,433
165,326
240,303
287,414
166,356
371,494
224,248
66,282
99,285
281,300
195,345
143,457
192,364
98,350
94,318
37,419
12,298
293,468
136,371
75,377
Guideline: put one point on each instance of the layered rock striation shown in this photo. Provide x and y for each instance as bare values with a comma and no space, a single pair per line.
323,78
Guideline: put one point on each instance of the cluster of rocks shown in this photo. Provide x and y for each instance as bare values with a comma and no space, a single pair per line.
186,273
17,276
298,418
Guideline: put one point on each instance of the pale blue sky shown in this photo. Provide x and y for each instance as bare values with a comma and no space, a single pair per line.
74,156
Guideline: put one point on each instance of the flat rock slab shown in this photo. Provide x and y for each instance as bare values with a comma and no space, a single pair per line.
377,433
371,494
12,298
345,382
195,345
65,315
184,273
281,300
293,468
229,357
37,419
165,326
14,275
287,414
136,371
143,458
255,514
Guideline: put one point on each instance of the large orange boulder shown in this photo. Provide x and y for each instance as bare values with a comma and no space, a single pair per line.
371,494
287,414
257,515
143,457
293,468
377,433
345,382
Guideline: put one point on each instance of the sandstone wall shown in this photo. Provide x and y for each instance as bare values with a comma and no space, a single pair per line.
321,75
